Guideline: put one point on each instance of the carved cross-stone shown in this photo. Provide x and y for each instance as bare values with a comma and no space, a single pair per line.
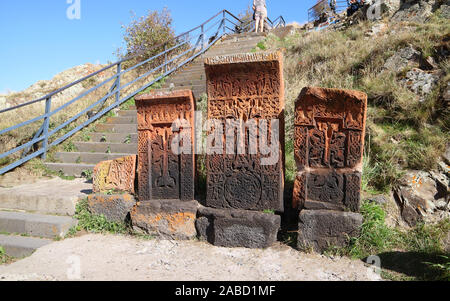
246,88
329,143
164,173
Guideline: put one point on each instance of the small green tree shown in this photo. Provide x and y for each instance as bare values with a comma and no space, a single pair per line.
144,33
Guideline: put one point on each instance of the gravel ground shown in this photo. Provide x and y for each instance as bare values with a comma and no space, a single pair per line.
111,257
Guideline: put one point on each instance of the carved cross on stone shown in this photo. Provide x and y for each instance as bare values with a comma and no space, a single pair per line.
162,172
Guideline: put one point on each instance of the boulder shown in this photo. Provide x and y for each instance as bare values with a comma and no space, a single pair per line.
403,58
237,228
414,11
321,229
418,196
420,82
114,207
446,155
168,219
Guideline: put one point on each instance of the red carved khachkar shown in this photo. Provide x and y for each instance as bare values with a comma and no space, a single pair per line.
163,172
329,143
245,89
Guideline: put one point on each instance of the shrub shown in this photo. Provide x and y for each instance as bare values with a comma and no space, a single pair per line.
144,33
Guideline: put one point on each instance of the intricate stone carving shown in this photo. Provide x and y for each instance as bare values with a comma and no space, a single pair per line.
245,88
329,142
115,175
165,173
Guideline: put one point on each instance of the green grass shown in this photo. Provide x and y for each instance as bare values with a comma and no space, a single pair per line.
4,259
415,254
88,174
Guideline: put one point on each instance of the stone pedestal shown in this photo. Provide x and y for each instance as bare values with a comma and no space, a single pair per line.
237,228
170,219
321,229
329,144
114,207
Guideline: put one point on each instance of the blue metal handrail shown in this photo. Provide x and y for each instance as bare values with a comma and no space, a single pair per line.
188,45
323,6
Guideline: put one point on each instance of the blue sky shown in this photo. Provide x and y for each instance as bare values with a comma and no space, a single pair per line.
38,40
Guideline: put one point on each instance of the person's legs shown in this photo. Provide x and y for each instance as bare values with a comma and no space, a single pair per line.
262,22
257,22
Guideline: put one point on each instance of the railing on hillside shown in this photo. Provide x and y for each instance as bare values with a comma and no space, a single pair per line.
323,6
186,47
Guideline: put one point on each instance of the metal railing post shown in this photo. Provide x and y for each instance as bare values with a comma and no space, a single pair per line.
165,58
48,106
224,21
119,69
202,40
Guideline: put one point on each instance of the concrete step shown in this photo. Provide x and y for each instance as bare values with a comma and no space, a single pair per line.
197,93
122,120
51,197
114,137
88,158
197,85
103,147
20,247
71,169
127,113
37,225
184,82
116,128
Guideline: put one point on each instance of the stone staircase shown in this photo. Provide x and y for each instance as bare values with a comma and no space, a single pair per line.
21,233
117,137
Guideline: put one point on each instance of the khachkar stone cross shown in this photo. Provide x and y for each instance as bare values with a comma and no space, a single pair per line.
163,172
246,89
329,143
245,160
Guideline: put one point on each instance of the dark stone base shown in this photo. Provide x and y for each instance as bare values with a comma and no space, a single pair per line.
169,219
320,229
237,228
114,207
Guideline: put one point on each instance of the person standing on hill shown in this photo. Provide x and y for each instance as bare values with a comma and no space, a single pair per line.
260,8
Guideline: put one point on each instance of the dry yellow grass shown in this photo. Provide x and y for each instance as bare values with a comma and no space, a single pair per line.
402,132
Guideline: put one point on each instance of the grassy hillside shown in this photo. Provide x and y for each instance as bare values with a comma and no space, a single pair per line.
403,133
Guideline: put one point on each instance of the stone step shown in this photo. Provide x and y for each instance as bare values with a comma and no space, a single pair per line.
104,147
181,82
189,84
37,225
116,128
20,247
127,113
197,93
71,169
122,120
88,158
51,197
114,137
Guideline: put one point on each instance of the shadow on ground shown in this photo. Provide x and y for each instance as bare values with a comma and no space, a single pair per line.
413,264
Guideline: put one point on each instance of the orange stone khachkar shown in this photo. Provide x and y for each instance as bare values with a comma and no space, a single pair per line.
246,88
329,144
115,175
163,117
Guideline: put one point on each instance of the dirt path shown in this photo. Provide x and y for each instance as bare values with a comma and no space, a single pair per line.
109,257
